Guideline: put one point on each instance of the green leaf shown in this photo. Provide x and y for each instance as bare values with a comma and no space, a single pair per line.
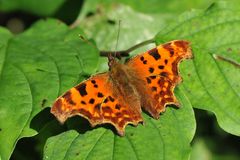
165,7
38,66
99,20
211,84
12,121
103,27
47,7
139,20
167,138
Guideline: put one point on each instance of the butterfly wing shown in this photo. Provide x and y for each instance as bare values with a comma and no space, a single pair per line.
94,99
158,67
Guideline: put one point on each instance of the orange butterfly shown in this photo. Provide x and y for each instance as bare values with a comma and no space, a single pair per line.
116,97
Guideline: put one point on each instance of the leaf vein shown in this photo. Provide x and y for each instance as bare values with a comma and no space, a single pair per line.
99,138
70,146
161,137
133,147
219,105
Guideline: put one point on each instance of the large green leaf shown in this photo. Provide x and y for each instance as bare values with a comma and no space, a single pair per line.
140,20
167,138
36,67
103,27
12,121
212,84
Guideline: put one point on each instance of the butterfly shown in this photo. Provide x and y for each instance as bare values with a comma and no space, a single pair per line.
146,81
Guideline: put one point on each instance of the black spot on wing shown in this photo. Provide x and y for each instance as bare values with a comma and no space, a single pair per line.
154,88
117,106
82,89
171,53
91,101
72,102
164,74
93,81
105,100
111,99
100,95
83,102
151,70
153,77
166,61
161,67
154,53
148,80
97,106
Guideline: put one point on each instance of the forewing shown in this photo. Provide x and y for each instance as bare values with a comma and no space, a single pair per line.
94,99
159,69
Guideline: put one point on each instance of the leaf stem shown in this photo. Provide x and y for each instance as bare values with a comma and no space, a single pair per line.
125,53
218,57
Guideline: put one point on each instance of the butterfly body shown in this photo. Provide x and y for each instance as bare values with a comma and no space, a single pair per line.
132,87
126,81
117,97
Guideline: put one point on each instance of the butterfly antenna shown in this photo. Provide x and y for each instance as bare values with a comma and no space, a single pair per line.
111,58
118,33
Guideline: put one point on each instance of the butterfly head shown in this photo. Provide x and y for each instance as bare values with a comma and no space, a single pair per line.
115,68
111,61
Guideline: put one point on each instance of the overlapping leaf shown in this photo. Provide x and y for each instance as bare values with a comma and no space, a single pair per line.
167,138
37,66
210,83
